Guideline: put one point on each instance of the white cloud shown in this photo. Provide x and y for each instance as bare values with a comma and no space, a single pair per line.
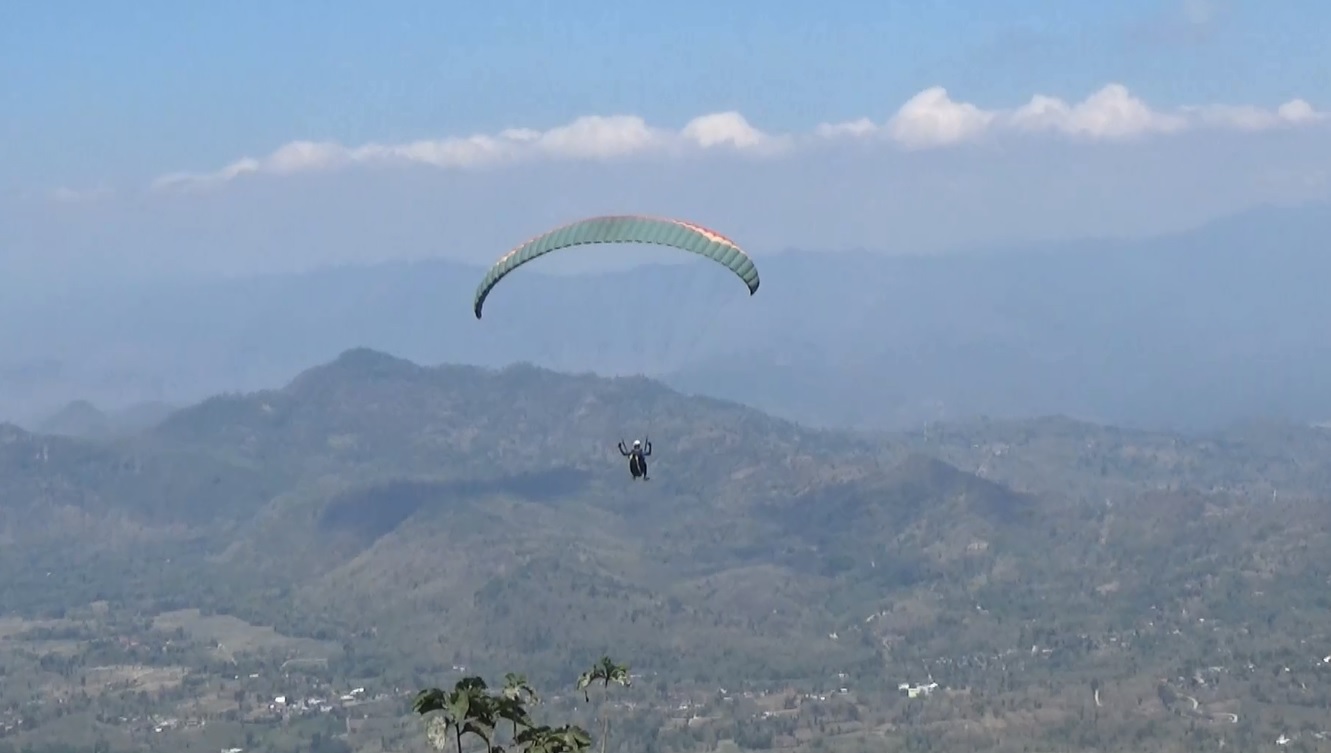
1248,118
1111,113
67,195
591,137
733,130
860,127
928,120
933,119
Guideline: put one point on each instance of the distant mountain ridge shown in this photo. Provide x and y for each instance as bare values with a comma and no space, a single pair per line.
1192,330
81,418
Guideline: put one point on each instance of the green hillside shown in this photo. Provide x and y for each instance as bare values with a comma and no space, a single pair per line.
380,524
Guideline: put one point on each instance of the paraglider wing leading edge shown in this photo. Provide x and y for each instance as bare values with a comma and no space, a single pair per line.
685,236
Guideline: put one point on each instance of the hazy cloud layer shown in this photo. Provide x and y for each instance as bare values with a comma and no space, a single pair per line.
929,120
939,173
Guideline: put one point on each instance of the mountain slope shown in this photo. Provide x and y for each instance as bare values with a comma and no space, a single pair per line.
374,495
429,518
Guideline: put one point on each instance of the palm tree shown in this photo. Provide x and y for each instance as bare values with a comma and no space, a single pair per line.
565,739
470,709
511,704
466,710
605,672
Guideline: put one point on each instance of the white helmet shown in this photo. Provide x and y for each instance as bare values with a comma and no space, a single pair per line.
637,443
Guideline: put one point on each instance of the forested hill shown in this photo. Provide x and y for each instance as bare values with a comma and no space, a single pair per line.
427,517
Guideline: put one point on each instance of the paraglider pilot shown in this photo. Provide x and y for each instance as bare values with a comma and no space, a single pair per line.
637,458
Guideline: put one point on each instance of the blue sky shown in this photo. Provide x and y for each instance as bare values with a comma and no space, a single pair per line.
94,89
99,99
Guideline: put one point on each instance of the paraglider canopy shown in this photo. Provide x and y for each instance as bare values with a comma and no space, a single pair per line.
679,234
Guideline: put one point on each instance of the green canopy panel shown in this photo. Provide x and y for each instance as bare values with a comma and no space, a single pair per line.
679,234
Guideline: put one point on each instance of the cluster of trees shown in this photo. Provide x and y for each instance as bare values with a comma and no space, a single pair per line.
502,719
